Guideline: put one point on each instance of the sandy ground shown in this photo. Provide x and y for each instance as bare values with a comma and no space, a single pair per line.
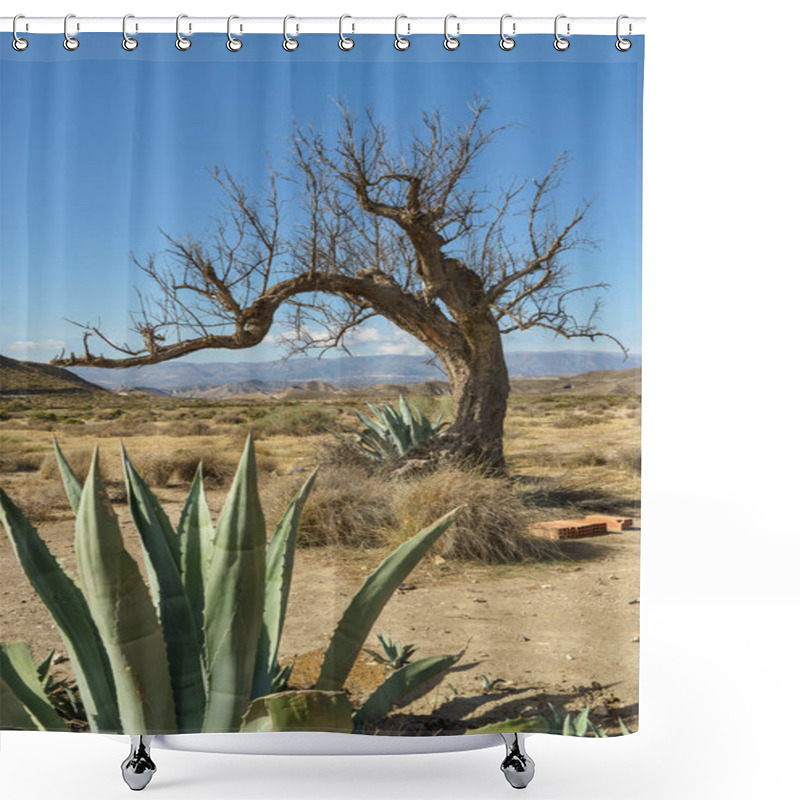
564,632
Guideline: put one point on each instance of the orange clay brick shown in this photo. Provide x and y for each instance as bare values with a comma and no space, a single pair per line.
616,524
567,529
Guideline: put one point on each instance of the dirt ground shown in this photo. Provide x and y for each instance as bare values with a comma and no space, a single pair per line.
564,632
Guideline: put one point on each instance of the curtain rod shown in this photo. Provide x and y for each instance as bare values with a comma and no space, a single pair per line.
514,26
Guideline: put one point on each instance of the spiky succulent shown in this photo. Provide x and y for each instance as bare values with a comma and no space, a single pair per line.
394,655
198,649
390,432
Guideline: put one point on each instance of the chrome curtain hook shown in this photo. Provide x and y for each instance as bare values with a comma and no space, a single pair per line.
345,43
181,42
290,44
622,44
560,43
128,42
70,42
18,42
233,44
401,42
451,42
507,42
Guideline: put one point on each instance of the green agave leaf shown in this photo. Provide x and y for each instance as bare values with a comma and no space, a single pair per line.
235,599
124,614
300,710
400,684
19,675
623,727
44,667
178,623
195,536
368,602
279,568
568,728
14,715
518,725
281,679
70,612
600,733
582,722
72,486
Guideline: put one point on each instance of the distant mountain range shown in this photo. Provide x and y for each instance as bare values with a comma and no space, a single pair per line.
30,377
179,378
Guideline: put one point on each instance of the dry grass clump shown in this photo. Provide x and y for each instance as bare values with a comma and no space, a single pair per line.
155,468
194,428
492,526
346,507
576,419
295,419
20,462
79,460
629,458
41,502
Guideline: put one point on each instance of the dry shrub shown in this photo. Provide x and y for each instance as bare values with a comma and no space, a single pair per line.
79,460
20,462
576,419
346,507
628,458
155,468
492,526
218,468
117,428
301,419
188,429
41,502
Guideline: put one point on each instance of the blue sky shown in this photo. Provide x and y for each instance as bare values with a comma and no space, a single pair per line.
101,147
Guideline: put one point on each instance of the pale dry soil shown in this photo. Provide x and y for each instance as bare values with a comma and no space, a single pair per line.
564,632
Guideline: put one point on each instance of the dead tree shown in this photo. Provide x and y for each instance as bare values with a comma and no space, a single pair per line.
368,225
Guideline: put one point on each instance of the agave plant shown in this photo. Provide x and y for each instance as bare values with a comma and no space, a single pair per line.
391,432
198,650
394,655
559,723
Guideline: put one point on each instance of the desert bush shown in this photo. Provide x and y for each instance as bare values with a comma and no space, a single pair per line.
44,416
218,468
628,458
194,428
576,419
230,419
295,419
109,414
156,468
347,507
40,502
79,460
569,459
20,462
492,526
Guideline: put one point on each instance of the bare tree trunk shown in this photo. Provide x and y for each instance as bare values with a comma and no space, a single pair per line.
480,388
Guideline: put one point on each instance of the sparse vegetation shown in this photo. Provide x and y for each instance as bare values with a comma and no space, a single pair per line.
492,527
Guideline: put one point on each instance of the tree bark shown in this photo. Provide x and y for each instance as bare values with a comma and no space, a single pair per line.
480,387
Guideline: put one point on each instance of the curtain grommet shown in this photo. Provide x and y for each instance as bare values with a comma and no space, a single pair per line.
71,43
181,41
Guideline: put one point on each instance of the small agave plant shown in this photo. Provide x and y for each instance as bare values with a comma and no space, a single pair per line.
557,723
394,655
394,431
198,650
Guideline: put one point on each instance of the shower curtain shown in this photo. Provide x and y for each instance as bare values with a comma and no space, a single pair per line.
365,320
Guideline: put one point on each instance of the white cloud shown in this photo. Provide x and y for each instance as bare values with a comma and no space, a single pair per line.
365,335
401,344
47,344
